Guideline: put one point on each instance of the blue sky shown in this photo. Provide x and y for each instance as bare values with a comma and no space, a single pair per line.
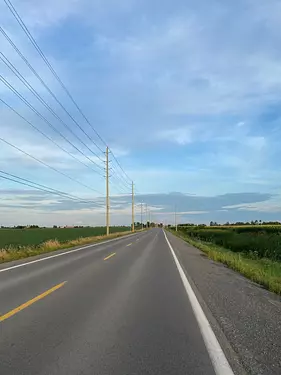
187,94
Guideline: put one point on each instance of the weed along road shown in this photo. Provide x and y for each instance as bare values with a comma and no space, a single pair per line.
142,304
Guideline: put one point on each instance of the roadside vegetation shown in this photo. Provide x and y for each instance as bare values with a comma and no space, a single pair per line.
22,243
254,251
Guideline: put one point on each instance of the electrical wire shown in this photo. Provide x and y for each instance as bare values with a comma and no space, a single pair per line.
36,46
33,70
14,70
7,84
45,135
24,181
47,165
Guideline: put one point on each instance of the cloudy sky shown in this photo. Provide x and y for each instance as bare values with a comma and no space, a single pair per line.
186,93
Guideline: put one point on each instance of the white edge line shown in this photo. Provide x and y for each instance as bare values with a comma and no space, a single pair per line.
64,253
218,358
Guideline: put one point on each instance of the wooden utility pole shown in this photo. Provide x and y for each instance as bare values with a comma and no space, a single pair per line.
133,209
107,192
146,217
141,218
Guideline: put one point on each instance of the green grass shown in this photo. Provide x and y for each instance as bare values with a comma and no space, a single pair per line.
31,242
262,271
263,242
35,237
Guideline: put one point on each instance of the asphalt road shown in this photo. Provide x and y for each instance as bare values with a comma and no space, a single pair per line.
119,307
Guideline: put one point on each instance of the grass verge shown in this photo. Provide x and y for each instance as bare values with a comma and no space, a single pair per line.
11,253
262,271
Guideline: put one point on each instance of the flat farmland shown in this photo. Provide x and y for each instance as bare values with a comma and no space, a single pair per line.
18,238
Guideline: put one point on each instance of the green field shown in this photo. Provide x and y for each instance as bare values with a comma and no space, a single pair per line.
255,241
18,238
254,251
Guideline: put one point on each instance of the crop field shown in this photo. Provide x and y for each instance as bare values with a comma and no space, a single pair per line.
18,238
256,241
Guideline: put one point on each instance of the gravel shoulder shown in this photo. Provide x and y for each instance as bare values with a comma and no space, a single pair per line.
245,317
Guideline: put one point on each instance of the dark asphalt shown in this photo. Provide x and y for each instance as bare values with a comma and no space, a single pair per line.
245,317
130,314
127,315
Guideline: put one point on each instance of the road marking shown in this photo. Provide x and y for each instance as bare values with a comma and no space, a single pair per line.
65,253
110,256
219,361
129,244
30,302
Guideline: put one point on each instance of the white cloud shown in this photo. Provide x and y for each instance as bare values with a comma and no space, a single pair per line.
270,206
181,136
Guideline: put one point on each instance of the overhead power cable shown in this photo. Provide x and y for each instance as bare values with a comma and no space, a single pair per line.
43,83
26,182
26,102
45,135
21,23
121,178
14,70
37,47
47,165
116,160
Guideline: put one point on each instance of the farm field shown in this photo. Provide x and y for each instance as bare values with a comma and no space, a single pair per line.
254,251
255,241
34,237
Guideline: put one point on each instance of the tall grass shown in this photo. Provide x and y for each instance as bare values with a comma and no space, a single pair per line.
260,270
260,242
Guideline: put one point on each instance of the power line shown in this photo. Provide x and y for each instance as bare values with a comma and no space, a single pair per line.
41,80
119,180
117,187
13,69
7,84
47,165
45,135
114,157
36,46
38,49
26,182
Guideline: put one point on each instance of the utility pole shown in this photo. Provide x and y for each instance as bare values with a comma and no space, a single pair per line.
176,225
141,218
133,209
146,218
107,193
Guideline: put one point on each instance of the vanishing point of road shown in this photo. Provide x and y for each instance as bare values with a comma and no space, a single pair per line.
126,306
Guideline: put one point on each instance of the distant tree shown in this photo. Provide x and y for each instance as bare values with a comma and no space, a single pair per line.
55,226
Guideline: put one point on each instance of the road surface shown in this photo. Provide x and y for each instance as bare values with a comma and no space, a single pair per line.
119,307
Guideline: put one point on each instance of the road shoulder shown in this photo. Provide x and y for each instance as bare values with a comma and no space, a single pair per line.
245,317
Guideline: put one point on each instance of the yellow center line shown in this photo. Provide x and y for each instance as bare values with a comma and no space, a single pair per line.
110,256
129,244
30,302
